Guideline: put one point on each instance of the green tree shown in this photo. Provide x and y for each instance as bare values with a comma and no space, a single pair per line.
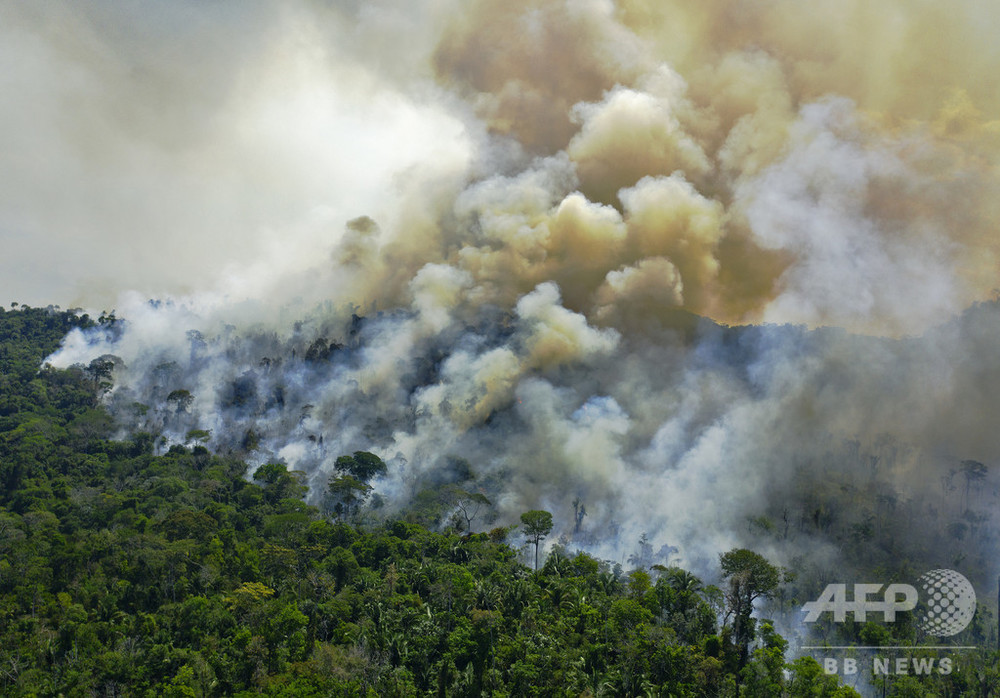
763,676
279,483
809,681
537,525
362,466
346,494
750,577
180,400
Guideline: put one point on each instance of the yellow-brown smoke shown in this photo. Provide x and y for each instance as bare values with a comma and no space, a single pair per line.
824,163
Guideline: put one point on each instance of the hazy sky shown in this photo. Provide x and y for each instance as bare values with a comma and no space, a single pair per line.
151,146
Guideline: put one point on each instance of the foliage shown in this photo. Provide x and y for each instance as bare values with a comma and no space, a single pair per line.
537,525
128,574
750,577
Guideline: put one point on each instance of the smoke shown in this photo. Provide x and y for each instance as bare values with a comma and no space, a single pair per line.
516,233
163,146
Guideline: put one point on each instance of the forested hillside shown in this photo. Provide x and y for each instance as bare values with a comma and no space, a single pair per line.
124,573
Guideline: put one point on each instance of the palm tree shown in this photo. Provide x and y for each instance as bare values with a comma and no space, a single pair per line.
682,580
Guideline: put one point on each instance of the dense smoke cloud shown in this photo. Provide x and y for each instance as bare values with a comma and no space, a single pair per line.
161,146
530,204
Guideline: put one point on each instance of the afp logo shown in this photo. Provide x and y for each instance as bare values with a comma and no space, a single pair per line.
949,602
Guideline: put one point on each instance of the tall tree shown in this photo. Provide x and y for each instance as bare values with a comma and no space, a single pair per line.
537,525
346,494
362,465
751,577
